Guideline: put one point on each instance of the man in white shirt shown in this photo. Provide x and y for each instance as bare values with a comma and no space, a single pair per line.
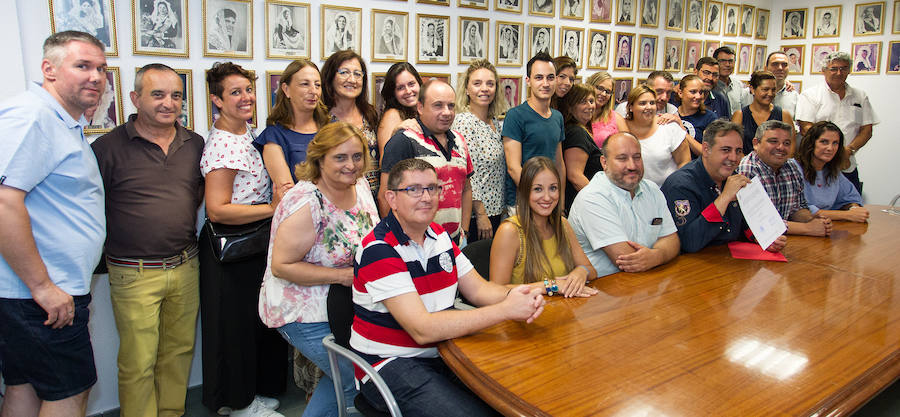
786,96
737,95
845,106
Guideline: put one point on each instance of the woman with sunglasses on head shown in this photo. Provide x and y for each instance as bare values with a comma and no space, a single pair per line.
537,246
344,91
828,192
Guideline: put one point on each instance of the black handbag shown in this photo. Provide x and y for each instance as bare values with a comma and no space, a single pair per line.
232,243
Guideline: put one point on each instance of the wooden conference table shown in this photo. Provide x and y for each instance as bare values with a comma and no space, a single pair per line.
708,335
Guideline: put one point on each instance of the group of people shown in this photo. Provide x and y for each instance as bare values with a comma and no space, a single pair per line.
368,213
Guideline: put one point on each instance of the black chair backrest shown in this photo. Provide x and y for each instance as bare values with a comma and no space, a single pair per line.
340,313
479,253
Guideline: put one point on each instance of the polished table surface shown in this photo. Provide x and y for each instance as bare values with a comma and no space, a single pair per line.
708,335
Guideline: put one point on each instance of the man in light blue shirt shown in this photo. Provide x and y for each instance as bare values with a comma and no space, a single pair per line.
620,219
52,218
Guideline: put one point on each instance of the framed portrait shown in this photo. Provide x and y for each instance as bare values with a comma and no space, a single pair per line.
744,62
509,44
287,29
510,88
759,57
541,39
512,6
571,9
710,46
626,10
647,53
895,28
827,22
713,17
571,44
108,112
377,84
762,24
893,60
473,4
473,39
866,58
187,99
732,19
598,49
340,29
795,58
693,50
437,2
672,54
432,39
675,15
541,7
389,43
621,87
212,112
273,79
694,16
228,28
428,76
158,27
747,20
793,24
97,17
869,19
601,10
817,53
650,13
798,85
624,51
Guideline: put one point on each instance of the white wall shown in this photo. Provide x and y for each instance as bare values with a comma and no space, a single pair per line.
26,23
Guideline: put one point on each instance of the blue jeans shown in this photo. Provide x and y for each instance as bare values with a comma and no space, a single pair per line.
307,337
425,387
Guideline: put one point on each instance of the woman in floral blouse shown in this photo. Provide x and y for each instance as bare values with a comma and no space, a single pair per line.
478,107
316,231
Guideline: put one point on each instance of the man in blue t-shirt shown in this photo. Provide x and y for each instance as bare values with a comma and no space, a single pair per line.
533,128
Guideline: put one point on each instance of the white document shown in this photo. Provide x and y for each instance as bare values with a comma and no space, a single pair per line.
760,213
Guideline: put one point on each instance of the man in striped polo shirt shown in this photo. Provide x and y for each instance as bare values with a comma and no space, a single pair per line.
406,274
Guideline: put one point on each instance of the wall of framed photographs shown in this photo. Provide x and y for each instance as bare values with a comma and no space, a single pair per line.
628,38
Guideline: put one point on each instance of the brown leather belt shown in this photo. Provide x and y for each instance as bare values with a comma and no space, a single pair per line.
164,263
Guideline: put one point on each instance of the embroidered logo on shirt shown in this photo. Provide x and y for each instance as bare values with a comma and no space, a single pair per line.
682,208
445,262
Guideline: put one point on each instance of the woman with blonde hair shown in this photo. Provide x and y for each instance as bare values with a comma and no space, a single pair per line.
293,122
605,121
537,246
664,148
580,153
478,106
316,231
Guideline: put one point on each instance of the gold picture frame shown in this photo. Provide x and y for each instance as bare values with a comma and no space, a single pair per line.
862,25
643,42
470,50
217,42
281,42
108,114
159,31
829,26
508,52
548,44
339,38
65,18
873,66
436,27
567,34
387,50
795,55
599,60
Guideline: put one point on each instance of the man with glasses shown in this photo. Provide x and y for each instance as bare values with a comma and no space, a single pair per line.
662,83
845,106
708,70
406,275
786,96
737,95
444,149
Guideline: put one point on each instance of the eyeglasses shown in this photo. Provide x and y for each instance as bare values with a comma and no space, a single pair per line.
604,91
834,70
345,73
708,73
416,191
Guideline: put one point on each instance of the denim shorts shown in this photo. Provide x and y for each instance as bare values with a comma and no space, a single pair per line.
58,363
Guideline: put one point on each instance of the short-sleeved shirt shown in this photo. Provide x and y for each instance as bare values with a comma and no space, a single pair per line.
785,187
45,154
452,164
151,196
656,152
850,114
389,264
830,195
293,144
696,123
579,138
787,100
338,235
690,194
734,91
538,135
488,159
230,151
604,214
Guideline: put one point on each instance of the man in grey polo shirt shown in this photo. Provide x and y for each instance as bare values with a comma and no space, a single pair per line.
151,171
620,219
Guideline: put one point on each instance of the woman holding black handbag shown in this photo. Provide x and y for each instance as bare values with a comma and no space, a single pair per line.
244,362
315,235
